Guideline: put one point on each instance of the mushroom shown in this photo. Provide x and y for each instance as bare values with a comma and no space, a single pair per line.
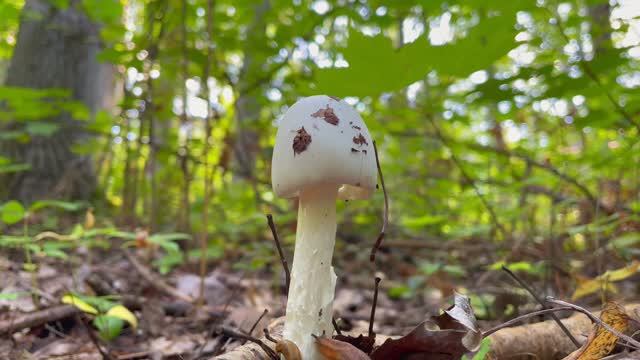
313,160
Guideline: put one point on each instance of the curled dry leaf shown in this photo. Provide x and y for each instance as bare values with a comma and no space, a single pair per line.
601,342
444,337
604,281
288,349
339,350
363,343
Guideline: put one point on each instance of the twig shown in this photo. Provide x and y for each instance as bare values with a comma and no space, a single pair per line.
385,215
94,339
238,335
257,321
541,302
373,306
268,336
631,342
285,265
154,280
37,318
335,326
527,159
522,318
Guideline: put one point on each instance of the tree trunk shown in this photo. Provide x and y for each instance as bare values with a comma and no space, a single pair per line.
247,106
56,48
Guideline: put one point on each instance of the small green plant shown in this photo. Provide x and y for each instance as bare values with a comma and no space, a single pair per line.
109,317
482,353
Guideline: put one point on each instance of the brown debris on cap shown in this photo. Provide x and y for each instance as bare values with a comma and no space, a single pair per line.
301,141
360,140
335,98
328,115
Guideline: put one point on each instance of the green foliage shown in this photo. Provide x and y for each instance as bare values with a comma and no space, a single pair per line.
12,212
483,352
110,316
498,123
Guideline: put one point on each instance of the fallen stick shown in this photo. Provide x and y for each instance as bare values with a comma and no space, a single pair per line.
543,340
154,280
36,318
253,351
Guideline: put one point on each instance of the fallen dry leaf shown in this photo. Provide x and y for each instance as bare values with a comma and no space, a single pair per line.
444,337
363,343
590,286
339,350
601,342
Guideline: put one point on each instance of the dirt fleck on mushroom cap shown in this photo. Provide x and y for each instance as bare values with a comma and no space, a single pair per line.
323,140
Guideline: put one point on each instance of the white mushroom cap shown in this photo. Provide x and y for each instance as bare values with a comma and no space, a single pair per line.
323,140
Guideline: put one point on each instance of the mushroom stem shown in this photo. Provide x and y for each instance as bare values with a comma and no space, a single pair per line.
313,281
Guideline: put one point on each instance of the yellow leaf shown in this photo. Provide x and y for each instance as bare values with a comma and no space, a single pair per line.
79,303
590,286
601,342
123,313
89,219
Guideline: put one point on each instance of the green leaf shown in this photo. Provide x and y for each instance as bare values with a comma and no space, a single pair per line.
109,327
13,168
11,296
64,205
79,303
60,4
123,313
394,68
36,128
481,354
12,212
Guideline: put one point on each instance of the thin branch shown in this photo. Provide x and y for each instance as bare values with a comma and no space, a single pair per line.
527,159
631,342
385,215
206,201
522,318
335,326
285,265
258,321
544,305
373,306
238,335
468,179
36,318
268,336
94,339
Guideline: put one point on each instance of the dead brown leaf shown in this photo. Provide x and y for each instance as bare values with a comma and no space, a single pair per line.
339,350
444,337
601,342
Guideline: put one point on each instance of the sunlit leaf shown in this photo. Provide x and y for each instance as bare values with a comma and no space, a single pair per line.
12,212
79,303
123,313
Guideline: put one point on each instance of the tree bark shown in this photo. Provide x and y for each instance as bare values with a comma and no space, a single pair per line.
56,48
247,106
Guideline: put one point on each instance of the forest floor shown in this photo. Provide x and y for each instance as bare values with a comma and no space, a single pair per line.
172,326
